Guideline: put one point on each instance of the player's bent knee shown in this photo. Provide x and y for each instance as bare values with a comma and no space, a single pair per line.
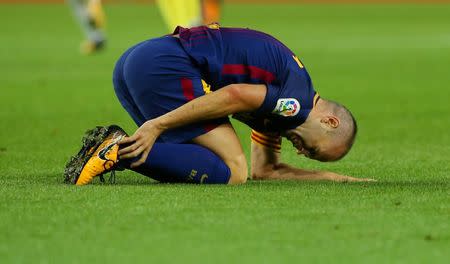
239,169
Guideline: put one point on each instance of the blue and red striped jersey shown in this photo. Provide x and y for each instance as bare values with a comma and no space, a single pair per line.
236,55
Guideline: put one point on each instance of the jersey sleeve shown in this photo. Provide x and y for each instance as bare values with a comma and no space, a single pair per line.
270,100
290,101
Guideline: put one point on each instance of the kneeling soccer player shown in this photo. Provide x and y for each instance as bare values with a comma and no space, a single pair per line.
180,90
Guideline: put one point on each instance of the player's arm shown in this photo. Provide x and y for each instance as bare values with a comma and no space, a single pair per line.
228,100
266,164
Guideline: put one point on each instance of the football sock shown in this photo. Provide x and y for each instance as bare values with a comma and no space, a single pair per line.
188,163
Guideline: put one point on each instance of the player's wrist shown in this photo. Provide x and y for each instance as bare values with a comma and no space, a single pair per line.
156,125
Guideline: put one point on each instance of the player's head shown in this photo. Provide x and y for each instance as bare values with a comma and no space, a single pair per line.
327,134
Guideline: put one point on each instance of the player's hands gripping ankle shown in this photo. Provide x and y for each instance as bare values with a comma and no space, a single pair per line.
140,143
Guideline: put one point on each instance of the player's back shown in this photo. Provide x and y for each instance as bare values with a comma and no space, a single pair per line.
236,55
252,56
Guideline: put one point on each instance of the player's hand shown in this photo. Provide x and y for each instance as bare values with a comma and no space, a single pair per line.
342,178
140,143
351,179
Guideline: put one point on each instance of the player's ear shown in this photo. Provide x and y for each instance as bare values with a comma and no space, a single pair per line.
330,121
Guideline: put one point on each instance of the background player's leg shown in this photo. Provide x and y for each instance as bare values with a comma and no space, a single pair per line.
186,13
211,11
91,18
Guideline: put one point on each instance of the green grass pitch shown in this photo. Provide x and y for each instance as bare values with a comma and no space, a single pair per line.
389,64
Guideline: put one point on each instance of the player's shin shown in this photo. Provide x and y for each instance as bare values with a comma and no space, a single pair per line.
188,163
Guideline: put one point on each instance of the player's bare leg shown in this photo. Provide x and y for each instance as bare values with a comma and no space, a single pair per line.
211,11
224,142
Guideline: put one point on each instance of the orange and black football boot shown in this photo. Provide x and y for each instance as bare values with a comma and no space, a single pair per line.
98,155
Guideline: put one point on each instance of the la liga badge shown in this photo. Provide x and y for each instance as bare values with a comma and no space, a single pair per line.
287,107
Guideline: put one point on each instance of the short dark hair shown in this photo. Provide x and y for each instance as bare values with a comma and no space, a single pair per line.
349,127
351,139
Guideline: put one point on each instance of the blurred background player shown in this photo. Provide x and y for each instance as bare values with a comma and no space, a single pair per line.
90,16
186,13
189,13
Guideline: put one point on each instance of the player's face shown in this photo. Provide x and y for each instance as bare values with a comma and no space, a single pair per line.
310,139
313,139
305,145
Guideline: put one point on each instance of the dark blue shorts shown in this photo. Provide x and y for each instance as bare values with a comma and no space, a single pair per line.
155,77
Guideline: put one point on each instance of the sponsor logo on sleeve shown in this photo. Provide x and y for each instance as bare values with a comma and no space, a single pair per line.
287,107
